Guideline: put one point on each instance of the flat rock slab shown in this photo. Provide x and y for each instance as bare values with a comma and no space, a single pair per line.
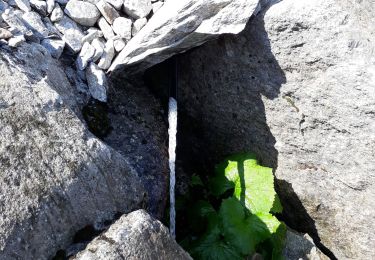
135,236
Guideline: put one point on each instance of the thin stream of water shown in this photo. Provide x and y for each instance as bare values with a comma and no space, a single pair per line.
172,132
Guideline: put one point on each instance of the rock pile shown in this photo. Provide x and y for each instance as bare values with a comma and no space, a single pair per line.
95,31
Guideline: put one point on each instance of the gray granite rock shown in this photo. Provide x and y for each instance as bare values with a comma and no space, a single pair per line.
82,12
106,29
50,5
138,25
107,56
3,6
72,34
14,21
54,47
39,6
136,236
57,177
5,34
99,46
108,12
137,8
122,27
24,5
16,40
85,56
57,13
91,34
156,6
118,44
34,22
97,82
116,3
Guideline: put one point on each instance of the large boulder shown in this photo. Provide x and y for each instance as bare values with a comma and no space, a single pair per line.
135,236
297,88
180,25
55,176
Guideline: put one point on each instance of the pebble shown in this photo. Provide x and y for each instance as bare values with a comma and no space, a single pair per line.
54,47
108,12
97,82
5,34
52,30
91,34
107,56
137,8
106,29
119,44
115,3
85,56
72,34
62,2
14,21
99,46
50,5
24,5
156,6
34,22
83,13
57,13
138,25
123,27
16,41
39,6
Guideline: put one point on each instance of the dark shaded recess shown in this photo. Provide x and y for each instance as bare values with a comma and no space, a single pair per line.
95,114
221,111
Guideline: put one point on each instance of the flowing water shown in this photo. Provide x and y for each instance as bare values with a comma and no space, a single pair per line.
172,132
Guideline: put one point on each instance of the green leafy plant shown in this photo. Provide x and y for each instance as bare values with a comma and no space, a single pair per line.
235,217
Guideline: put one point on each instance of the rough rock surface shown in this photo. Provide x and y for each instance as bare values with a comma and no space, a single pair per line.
135,236
55,177
181,25
82,12
297,88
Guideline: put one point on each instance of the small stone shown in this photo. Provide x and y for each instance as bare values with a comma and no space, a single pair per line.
92,33
5,34
83,13
106,29
12,3
115,3
14,21
54,47
51,29
108,12
85,56
119,44
99,46
35,24
72,34
62,2
57,13
156,6
97,81
24,5
16,41
122,26
50,5
108,55
39,6
137,8
3,6
138,25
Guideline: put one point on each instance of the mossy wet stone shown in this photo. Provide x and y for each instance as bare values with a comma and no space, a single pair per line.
95,114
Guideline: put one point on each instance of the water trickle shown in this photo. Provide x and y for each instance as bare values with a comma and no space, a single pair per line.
172,132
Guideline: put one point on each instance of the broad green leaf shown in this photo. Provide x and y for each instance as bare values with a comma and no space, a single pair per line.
272,248
277,207
241,231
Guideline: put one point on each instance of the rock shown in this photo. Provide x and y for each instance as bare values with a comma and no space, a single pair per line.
134,236
138,25
35,24
190,22
3,6
99,49
57,177
85,56
82,12
119,44
50,5
106,29
97,82
122,27
92,33
137,8
14,22
299,246
62,2
108,12
39,6
72,33
54,47
57,13
156,6
52,30
16,40
24,5
304,106
5,34
116,3
108,54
